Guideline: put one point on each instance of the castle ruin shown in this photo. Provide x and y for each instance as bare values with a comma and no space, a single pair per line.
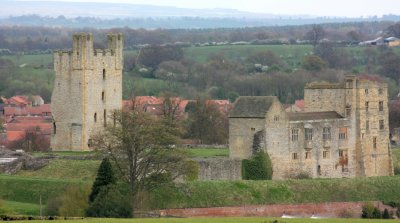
87,88
343,132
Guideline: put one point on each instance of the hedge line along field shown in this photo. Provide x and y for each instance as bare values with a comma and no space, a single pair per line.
219,220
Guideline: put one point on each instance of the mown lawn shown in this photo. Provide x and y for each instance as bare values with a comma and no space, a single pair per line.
221,220
208,152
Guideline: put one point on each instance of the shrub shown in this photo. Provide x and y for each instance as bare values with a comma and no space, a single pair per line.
386,214
367,210
74,201
110,202
257,168
52,207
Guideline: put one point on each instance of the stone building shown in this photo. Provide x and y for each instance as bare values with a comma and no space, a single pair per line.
343,131
87,88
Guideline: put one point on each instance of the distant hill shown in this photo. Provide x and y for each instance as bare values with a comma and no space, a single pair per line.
109,15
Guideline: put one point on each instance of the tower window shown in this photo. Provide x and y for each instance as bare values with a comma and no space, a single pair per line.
295,134
366,91
276,118
104,74
54,128
381,106
102,96
374,142
380,91
95,117
366,106
343,133
308,134
326,133
105,118
367,125
325,154
308,155
381,124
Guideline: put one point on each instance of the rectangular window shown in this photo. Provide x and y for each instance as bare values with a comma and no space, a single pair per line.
103,96
381,106
366,106
295,134
276,118
366,91
253,129
326,133
340,153
374,142
348,111
308,155
294,156
380,91
308,133
381,124
367,125
343,133
325,154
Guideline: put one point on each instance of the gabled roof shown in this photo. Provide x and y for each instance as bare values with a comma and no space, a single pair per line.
252,106
302,116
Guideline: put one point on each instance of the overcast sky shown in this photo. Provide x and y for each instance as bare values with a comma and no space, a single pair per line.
348,8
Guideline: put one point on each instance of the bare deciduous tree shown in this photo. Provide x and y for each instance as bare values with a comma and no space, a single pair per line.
141,146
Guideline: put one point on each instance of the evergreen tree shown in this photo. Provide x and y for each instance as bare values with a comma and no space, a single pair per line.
105,177
386,214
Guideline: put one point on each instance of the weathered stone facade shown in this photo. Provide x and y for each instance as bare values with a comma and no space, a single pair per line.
343,132
88,87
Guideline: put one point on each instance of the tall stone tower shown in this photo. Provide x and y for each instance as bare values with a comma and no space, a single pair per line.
87,89
363,101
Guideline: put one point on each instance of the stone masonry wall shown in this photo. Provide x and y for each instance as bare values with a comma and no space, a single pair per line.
87,89
241,135
219,169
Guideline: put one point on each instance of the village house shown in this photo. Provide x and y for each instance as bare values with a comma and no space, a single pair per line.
343,131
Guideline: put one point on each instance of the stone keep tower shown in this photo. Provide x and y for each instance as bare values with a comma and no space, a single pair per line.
87,89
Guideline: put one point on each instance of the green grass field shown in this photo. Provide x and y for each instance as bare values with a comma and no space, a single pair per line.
208,152
221,220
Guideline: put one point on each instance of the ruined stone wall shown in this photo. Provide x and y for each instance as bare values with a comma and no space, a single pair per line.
324,99
219,169
241,135
277,139
88,87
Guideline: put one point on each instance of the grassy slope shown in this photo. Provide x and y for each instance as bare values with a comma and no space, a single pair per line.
28,190
221,220
237,193
62,169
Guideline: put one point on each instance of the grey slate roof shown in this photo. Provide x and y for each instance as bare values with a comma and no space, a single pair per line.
300,116
251,106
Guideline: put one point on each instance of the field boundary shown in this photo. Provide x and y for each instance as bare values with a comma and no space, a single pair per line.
305,210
